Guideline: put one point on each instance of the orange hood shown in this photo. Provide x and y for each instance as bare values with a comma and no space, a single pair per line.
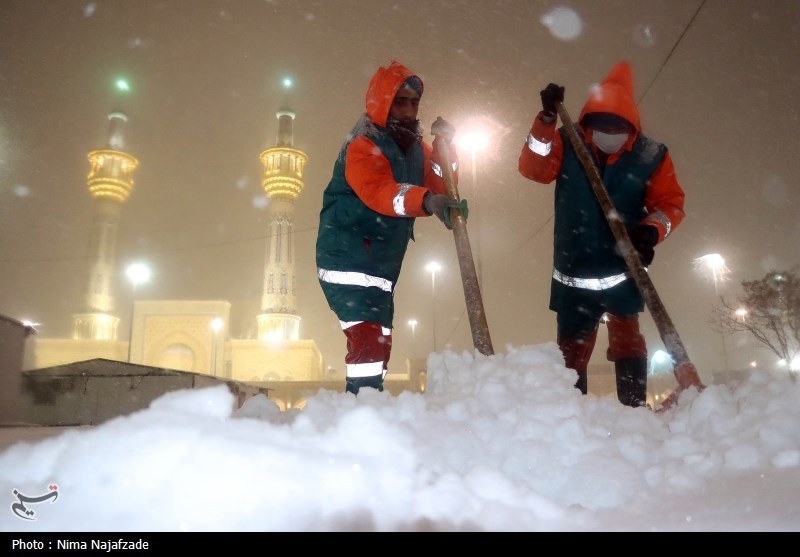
615,95
382,89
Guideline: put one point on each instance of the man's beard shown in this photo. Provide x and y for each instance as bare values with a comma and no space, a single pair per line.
405,133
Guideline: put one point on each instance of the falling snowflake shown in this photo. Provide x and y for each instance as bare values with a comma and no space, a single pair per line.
564,23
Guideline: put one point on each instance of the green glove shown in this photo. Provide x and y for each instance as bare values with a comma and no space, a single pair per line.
462,204
440,205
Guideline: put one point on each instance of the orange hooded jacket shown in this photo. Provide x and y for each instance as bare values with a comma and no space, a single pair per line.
664,198
368,171
369,208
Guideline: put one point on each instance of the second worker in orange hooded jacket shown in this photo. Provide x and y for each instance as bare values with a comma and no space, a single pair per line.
589,276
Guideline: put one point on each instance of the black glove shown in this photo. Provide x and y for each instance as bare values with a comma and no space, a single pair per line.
440,205
444,128
551,96
644,238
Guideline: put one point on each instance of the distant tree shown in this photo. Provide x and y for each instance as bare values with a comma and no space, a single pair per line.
769,309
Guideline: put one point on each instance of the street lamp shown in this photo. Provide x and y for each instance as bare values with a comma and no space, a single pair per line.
433,267
138,273
660,364
216,325
475,140
713,266
413,324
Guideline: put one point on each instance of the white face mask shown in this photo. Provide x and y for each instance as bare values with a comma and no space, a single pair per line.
609,143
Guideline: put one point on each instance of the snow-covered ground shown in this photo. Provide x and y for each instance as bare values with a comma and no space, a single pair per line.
497,443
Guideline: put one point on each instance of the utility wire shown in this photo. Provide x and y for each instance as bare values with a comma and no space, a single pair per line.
672,50
647,89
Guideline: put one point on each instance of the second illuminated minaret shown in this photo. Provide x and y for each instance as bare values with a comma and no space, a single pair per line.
282,181
110,182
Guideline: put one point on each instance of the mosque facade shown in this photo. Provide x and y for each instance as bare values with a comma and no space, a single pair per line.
193,335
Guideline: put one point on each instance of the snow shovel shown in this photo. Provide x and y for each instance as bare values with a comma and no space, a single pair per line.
472,292
685,372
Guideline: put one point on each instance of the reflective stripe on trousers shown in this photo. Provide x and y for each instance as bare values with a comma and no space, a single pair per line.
590,283
351,278
369,346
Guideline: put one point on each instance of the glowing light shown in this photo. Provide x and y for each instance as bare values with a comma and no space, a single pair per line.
287,83
480,133
216,325
712,266
660,362
474,140
661,357
122,85
111,174
475,136
433,267
741,313
138,273
271,336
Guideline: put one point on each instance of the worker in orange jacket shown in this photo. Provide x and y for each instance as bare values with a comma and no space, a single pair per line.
385,177
590,278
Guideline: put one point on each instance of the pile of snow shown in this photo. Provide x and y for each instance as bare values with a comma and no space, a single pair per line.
497,443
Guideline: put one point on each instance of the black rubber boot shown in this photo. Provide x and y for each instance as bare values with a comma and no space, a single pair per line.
353,384
582,384
632,381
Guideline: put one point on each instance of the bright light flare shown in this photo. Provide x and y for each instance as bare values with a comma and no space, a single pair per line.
475,140
660,362
433,267
217,323
661,357
138,273
712,267
480,134
122,85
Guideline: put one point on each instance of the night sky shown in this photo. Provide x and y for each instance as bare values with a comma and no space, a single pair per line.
717,81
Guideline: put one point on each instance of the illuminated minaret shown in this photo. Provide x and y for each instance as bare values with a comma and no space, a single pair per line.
282,182
110,182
